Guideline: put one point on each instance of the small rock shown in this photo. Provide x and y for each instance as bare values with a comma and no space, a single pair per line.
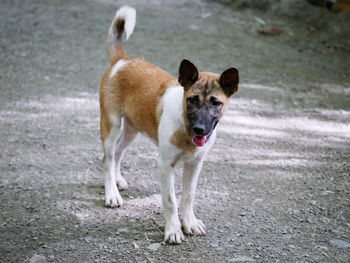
214,244
296,212
241,259
327,192
154,246
123,230
87,239
38,259
323,248
260,21
340,243
309,220
325,220
287,237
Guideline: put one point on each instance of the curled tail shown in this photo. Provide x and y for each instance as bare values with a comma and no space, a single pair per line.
124,21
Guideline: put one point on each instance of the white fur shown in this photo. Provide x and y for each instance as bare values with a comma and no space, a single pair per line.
117,66
129,15
112,195
172,120
126,137
120,137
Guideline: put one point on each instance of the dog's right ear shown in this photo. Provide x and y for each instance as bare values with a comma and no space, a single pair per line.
188,73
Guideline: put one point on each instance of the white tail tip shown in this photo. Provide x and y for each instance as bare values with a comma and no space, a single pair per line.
129,15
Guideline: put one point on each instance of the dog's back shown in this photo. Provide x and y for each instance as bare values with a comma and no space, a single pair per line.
131,87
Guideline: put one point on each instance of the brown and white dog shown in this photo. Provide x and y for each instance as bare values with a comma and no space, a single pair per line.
179,115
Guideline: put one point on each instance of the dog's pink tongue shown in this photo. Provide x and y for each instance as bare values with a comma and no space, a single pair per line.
200,140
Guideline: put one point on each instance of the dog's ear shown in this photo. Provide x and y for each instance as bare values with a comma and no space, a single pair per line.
188,73
229,81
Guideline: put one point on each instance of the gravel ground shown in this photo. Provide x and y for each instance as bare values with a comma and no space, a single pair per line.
275,187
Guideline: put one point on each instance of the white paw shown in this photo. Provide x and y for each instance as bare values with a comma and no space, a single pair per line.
113,198
122,184
173,235
193,226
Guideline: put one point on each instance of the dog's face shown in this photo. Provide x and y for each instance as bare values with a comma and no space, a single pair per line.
206,96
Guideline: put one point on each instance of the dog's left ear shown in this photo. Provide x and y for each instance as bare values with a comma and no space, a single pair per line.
188,74
229,81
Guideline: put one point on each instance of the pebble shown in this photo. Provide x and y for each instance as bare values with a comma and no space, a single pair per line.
340,243
287,237
327,192
38,259
323,248
309,220
122,230
154,246
214,245
241,259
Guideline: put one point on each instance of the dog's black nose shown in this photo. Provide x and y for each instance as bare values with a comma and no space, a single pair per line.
199,129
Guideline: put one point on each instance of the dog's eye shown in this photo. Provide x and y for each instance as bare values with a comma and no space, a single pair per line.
215,102
193,100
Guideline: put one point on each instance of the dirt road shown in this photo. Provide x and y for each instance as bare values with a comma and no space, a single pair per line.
275,187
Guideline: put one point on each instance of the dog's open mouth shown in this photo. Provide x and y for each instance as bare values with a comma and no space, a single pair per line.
200,140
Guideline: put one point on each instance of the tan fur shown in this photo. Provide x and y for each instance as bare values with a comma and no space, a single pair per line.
116,53
183,140
207,86
135,92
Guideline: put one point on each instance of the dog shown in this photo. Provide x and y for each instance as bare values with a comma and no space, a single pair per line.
179,114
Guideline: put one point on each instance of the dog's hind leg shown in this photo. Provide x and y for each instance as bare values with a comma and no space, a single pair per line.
128,134
110,131
190,223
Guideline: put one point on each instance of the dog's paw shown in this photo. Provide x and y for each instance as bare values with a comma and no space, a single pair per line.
193,226
122,184
113,198
173,235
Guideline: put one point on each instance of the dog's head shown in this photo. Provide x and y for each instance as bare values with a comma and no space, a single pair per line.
206,96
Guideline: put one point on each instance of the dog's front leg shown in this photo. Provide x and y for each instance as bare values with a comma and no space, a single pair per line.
173,233
190,223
